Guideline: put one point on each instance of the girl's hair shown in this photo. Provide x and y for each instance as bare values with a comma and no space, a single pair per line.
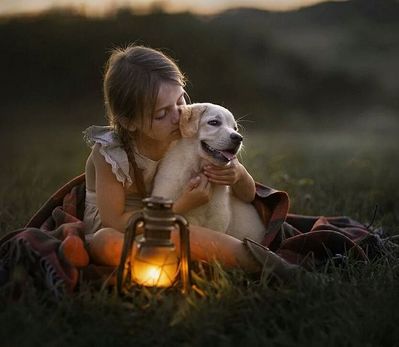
132,79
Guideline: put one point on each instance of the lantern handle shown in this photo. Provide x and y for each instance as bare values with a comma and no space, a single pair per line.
130,234
185,261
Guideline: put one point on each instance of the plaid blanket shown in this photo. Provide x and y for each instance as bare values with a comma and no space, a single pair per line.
303,240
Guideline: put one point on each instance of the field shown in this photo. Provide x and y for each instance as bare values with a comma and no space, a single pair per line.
329,173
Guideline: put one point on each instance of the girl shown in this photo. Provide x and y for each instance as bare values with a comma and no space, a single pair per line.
143,89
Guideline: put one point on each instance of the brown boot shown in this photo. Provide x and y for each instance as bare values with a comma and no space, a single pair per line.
271,263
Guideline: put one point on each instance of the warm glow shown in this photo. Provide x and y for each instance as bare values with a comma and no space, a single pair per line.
154,266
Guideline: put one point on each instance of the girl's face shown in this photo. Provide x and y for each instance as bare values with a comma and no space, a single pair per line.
164,124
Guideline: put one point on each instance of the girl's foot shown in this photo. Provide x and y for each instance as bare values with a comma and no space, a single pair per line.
72,250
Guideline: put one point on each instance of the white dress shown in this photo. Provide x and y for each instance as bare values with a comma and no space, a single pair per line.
114,154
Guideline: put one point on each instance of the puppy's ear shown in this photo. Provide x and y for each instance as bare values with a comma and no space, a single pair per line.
189,119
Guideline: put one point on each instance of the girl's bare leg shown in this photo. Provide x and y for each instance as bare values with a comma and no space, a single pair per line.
206,245
106,244
209,245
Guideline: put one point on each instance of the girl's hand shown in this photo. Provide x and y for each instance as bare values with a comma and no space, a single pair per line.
235,176
227,176
196,193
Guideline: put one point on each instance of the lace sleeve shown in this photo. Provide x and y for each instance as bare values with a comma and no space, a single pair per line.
112,151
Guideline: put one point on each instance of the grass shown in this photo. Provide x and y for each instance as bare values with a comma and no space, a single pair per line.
330,173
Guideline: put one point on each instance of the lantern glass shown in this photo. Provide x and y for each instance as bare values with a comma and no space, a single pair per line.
154,265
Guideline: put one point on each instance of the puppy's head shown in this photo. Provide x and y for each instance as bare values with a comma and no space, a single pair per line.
216,130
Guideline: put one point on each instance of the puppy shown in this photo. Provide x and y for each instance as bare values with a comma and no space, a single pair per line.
209,135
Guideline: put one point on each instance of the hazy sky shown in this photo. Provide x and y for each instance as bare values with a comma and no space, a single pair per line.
102,6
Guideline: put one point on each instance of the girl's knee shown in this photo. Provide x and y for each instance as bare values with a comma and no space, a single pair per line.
107,233
105,247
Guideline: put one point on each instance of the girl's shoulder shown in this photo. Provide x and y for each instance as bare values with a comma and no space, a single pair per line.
110,147
104,135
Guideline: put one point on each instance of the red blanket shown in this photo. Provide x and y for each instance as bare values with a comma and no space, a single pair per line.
304,240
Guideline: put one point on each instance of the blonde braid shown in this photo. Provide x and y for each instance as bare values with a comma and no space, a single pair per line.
126,140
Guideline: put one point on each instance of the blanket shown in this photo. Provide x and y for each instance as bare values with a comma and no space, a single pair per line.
37,248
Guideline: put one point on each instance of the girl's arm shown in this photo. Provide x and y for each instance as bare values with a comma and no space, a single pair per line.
244,188
236,176
110,194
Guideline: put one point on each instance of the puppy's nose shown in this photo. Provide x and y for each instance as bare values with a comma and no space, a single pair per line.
235,138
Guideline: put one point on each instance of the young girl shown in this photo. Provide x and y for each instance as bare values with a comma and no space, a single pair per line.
143,91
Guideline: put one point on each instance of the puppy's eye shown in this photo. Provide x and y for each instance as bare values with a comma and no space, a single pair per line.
235,128
214,122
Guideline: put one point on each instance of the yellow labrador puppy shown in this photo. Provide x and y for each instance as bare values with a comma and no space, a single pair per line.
209,135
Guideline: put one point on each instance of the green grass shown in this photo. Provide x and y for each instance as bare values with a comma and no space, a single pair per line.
329,174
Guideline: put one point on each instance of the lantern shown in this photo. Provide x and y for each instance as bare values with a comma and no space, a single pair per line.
150,259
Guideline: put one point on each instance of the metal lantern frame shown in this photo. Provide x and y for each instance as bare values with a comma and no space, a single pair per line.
158,220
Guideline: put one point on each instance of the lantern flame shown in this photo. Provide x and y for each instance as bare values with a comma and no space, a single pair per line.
155,266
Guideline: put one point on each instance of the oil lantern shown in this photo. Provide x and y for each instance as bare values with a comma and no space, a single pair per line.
151,258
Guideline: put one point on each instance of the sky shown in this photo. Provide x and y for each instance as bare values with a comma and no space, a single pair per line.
101,7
